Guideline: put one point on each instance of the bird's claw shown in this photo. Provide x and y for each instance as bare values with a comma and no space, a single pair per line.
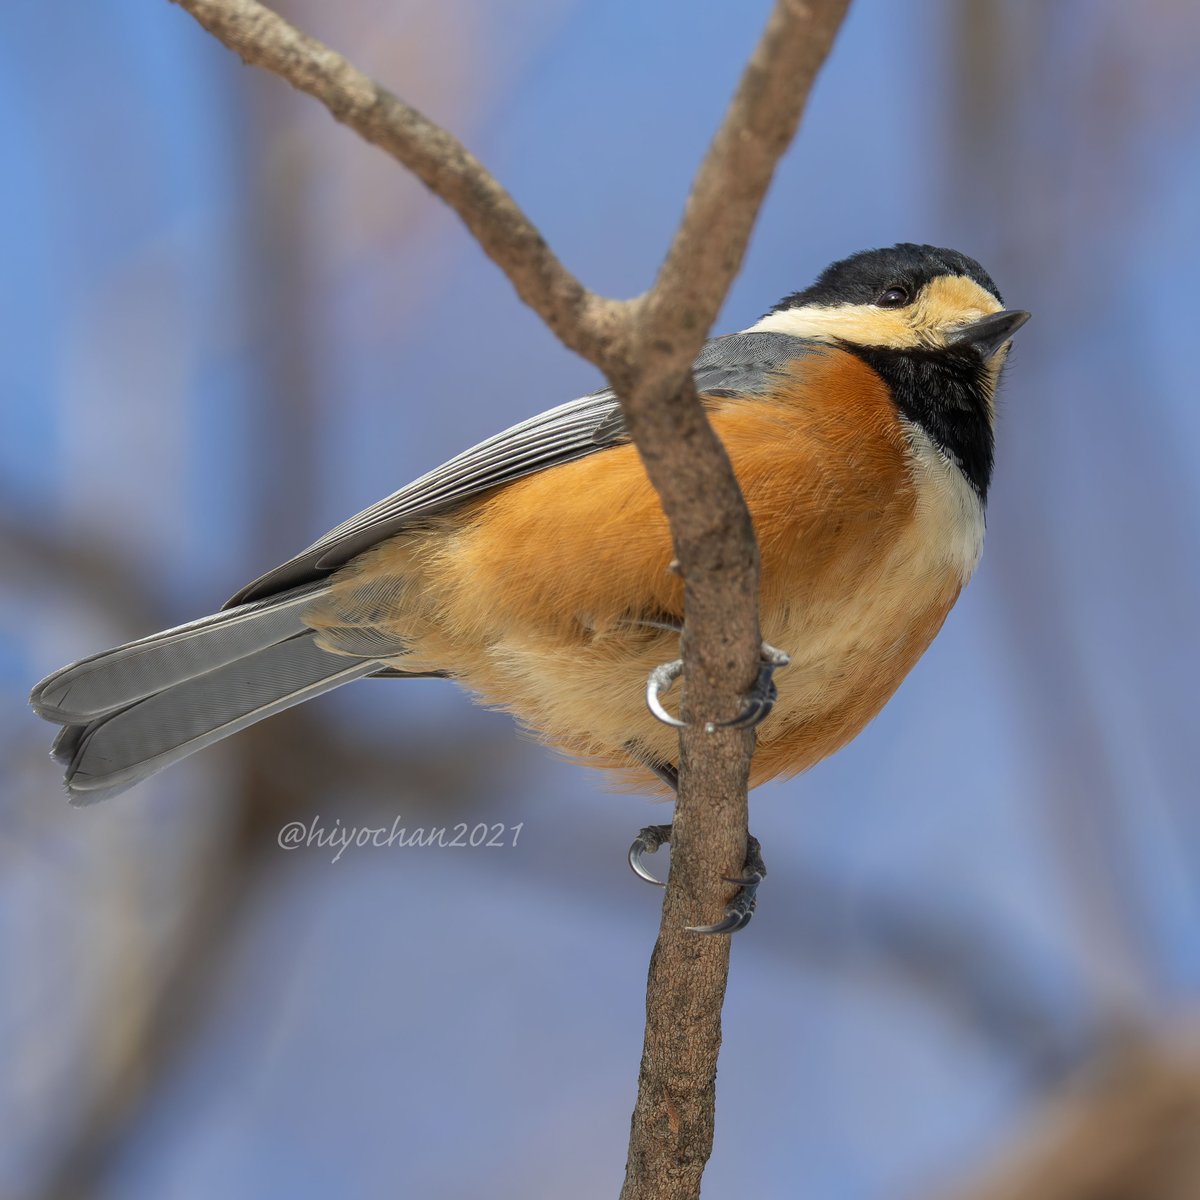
762,695
740,908
648,841
738,911
759,703
661,680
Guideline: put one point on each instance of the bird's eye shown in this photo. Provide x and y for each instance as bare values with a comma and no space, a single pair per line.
894,297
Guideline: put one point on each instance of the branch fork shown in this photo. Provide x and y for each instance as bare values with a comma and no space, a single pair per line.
645,347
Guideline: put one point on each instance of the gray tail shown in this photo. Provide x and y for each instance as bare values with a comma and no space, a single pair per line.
134,710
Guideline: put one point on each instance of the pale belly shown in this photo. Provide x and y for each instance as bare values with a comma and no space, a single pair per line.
850,650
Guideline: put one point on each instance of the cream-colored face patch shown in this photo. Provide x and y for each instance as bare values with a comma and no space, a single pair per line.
942,305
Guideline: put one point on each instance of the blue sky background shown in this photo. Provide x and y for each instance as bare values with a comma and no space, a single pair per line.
227,324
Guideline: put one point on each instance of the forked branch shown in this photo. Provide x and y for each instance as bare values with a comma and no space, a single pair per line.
645,347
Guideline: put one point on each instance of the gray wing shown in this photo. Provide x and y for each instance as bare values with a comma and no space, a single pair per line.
732,365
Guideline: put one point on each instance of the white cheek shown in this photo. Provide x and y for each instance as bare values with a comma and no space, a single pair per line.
850,322
796,321
858,324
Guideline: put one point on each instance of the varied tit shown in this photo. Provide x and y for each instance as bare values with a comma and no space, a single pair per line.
534,568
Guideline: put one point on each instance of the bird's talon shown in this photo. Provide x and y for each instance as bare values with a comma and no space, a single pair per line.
648,841
739,910
762,695
728,925
661,680
736,917
759,703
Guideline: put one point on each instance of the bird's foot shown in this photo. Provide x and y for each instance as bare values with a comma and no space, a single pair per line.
759,702
740,908
648,841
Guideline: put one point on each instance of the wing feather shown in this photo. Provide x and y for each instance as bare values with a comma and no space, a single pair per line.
733,365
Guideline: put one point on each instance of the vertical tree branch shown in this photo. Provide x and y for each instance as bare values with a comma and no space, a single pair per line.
645,347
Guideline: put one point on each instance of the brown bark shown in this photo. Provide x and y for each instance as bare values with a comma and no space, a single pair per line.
645,347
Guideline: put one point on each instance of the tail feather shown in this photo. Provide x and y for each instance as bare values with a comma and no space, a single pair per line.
105,683
141,707
122,749
63,748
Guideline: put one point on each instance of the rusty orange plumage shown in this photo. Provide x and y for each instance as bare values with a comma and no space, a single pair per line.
534,568
528,595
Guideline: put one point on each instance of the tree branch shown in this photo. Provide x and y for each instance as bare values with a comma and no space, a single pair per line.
264,39
645,347
707,249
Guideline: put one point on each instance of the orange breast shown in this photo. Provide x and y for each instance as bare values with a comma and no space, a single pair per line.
532,596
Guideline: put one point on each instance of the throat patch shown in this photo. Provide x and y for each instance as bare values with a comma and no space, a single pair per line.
948,396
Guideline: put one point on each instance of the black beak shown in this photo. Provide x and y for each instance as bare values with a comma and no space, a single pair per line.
985,337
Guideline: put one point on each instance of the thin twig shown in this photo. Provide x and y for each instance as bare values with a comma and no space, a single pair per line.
710,243
264,39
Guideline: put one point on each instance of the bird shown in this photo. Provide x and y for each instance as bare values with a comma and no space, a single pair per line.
536,568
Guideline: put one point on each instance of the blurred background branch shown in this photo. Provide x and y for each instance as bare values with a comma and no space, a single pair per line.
1127,1130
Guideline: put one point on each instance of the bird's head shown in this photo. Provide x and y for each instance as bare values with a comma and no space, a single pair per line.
906,298
931,324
